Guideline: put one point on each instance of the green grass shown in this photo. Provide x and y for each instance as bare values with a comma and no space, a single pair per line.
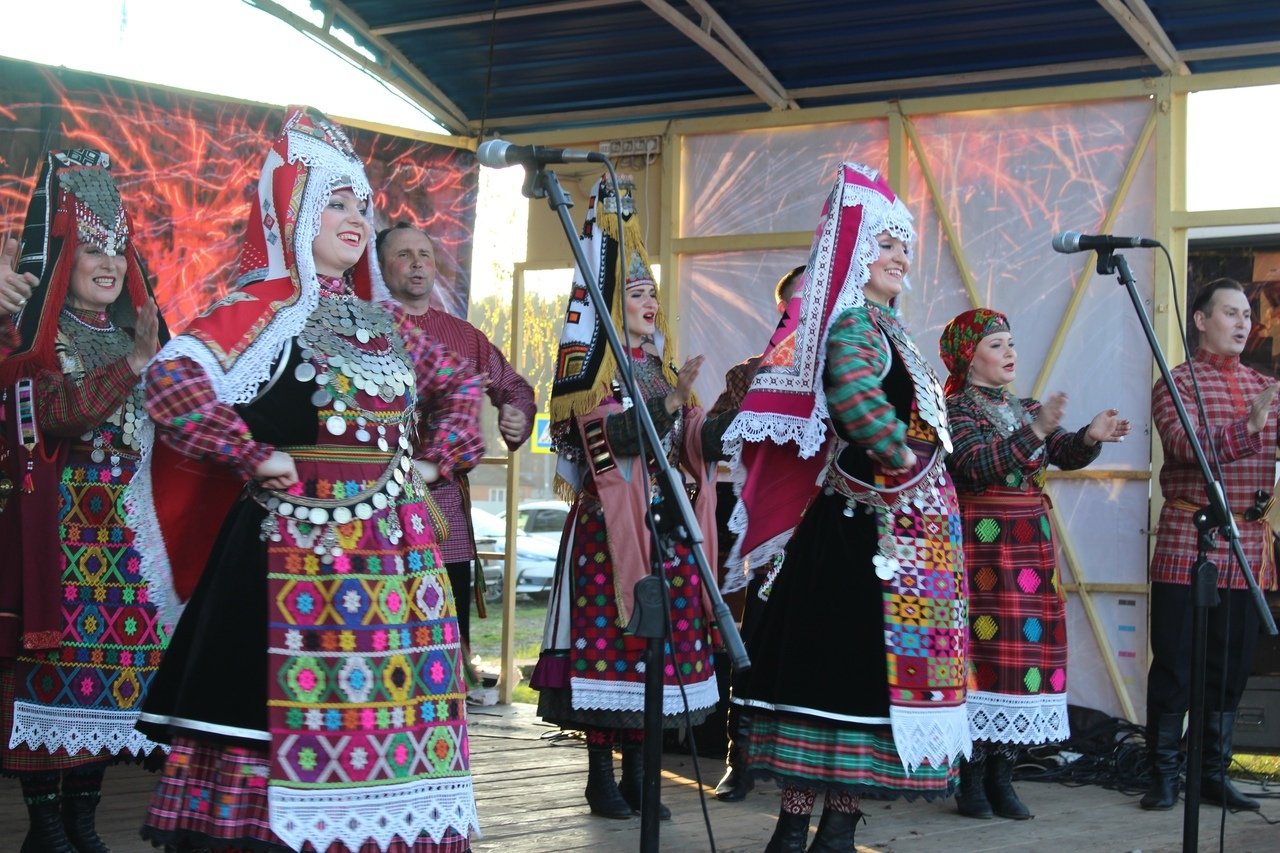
1262,768
486,641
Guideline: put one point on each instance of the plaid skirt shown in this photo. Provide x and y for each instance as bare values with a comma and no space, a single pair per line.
1017,619
214,797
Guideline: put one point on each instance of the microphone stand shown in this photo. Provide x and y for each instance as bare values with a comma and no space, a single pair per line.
1212,520
650,618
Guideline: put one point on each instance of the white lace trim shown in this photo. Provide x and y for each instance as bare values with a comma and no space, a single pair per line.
380,812
1002,718
937,736
594,695
81,730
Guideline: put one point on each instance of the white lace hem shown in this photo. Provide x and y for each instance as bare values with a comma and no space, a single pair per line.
380,812
82,730
1002,718
593,695
937,736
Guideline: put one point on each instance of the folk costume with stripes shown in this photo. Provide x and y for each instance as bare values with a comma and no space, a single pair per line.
591,671
314,692
857,681
80,640
1017,614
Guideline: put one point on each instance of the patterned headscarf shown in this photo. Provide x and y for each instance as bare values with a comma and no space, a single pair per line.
75,202
960,341
237,339
786,402
585,366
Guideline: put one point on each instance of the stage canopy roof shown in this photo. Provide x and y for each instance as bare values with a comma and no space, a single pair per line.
504,66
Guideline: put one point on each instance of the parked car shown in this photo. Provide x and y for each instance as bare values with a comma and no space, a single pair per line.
544,519
535,556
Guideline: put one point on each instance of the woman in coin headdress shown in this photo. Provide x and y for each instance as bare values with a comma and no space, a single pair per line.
313,694
1017,610
79,639
856,687
591,672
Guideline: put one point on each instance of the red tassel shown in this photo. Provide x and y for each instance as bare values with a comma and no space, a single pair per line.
28,480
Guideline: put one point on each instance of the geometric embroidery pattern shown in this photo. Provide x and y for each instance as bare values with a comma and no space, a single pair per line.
84,695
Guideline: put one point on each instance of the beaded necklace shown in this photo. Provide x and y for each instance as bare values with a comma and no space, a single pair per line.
348,346
87,341
1008,415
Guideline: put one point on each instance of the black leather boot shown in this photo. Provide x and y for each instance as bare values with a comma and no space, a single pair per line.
46,834
632,784
1164,739
78,820
971,796
790,835
602,789
999,787
1215,785
835,832
736,782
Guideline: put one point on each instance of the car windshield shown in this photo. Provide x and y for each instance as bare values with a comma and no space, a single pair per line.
487,524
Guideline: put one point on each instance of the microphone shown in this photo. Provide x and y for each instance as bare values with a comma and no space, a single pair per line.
499,154
1073,241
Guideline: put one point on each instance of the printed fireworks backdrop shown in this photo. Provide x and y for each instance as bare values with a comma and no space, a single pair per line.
187,165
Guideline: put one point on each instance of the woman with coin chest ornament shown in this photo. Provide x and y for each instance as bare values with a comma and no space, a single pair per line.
81,642
316,688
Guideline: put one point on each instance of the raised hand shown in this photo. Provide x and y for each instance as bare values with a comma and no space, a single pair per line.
684,384
1050,415
1260,408
1107,425
277,471
15,289
146,337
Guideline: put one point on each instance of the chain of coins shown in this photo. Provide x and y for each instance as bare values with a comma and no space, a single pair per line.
313,522
336,359
931,401
83,347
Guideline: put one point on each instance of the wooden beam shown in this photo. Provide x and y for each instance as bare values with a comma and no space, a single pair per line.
739,47
436,102
501,14
953,81
1147,33
752,79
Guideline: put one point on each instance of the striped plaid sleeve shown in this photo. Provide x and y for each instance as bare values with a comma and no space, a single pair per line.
69,407
449,399
508,388
1231,436
856,356
190,419
980,456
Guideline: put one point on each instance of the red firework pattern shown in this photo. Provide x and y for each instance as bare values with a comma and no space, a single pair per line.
187,167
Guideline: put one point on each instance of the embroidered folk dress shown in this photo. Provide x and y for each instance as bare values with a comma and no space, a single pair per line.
847,641
591,672
1017,614
75,701
315,693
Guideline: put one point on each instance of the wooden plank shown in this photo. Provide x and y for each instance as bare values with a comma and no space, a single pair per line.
529,795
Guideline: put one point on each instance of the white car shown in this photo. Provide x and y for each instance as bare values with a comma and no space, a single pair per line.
544,519
535,556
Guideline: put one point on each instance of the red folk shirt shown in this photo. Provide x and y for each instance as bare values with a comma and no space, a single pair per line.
506,387
1248,464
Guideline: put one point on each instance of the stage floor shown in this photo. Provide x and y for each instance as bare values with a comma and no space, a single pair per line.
530,799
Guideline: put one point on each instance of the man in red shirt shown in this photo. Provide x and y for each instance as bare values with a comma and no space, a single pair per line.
1238,412
408,261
